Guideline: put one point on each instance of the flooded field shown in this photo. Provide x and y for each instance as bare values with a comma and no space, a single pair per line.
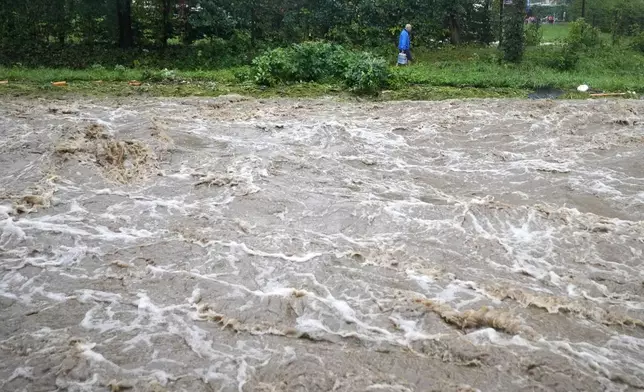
240,245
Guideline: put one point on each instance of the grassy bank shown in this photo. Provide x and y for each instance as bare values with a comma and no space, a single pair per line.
451,72
609,69
210,88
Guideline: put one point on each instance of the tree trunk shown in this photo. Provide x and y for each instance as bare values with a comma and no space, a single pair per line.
165,20
454,30
253,23
124,15
501,6
583,8
184,16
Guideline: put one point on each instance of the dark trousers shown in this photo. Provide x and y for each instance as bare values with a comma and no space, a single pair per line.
408,53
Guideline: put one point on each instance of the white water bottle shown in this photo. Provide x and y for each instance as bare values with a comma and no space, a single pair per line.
402,58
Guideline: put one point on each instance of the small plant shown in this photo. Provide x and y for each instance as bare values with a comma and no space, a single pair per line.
566,59
167,74
98,67
561,58
243,74
366,74
119,68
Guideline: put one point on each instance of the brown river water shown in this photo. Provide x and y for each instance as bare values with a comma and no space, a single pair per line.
233,244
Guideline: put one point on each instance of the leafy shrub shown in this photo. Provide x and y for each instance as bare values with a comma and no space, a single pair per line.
582,35
565,59
366,74
533,34
306,62
317,62
274,67
243,74
638,42
562,58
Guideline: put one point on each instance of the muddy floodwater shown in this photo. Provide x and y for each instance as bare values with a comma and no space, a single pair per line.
234,244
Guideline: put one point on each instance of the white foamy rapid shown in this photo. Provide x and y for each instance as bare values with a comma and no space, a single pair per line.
240,245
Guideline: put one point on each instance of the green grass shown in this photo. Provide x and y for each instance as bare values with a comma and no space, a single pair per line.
608,68
558,32
555,33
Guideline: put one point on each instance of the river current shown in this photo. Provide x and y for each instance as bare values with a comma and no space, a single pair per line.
232,244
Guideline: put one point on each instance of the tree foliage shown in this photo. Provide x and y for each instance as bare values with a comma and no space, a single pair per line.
206,33
513,43
620,17
30,30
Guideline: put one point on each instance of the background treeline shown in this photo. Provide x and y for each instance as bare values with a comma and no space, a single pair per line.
189,33
208,33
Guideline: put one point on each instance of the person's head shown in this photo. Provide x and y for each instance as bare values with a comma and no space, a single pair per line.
408,28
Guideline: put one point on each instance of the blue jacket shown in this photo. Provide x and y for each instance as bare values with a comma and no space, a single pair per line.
404,43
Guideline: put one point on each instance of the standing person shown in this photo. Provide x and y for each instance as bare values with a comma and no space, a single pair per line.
404,44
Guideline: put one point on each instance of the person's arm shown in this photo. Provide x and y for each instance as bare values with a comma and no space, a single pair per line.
404,41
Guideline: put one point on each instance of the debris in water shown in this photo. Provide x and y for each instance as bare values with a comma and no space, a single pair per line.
553,304
34,200
121,264
299,293
471,319
216,180
244,226
121,160
120,386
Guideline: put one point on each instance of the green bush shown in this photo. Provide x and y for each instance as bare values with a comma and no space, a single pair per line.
316,61
306,62
533,34
366,74
561,58
274,67
320,62
243,74
582,35
566,58
638,42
